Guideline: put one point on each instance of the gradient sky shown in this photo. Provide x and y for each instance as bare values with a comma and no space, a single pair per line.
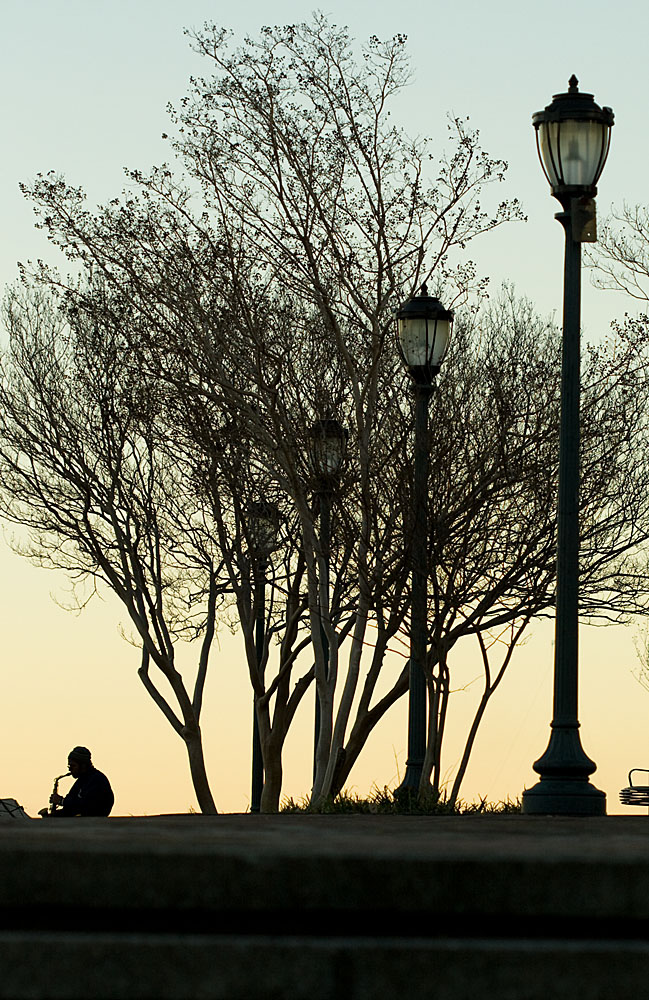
85,88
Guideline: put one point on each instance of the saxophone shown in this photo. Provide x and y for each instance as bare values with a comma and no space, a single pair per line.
55,790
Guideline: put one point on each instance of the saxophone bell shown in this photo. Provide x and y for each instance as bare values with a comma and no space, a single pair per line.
55,791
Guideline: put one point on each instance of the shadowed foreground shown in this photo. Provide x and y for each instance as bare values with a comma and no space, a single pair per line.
325,907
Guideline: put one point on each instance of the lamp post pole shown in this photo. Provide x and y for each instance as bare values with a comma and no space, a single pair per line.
260,639
328,440
423,333
573,136
324,499
264,525
419,600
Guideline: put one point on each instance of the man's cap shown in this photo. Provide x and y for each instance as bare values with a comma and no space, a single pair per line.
81,754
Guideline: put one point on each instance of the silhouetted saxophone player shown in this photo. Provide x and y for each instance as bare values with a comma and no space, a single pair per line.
90,795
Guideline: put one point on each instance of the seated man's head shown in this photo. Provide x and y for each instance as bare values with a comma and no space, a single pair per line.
79,761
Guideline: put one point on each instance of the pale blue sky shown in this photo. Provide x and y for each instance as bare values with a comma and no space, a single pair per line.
84,87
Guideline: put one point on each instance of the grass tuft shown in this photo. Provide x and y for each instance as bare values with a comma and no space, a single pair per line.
385,802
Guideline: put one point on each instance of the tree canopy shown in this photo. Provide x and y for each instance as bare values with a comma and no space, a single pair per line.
219,310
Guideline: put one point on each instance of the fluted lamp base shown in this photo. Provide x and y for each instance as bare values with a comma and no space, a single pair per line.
570,797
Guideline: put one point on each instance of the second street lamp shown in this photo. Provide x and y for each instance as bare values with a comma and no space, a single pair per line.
573,136
423,335
328,440
264,520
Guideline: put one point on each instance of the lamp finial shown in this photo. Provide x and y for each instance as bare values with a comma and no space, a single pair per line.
572,83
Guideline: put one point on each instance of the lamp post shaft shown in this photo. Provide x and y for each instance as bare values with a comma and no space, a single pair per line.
423,335
325,541
564,788
567,594
419,600
260,638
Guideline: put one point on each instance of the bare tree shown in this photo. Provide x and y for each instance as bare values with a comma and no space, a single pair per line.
260,292
620,262
620,257
307,177
492,543
274,302
82,468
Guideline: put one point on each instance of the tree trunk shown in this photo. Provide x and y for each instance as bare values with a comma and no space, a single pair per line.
431,740
362,729
443,683
323,749
473,732
272,783
194,744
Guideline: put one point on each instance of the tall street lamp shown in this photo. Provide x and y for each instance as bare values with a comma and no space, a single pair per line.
423,334
264,520
328,442
573,135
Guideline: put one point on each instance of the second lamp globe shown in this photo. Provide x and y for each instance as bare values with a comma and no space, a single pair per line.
423,335
328,441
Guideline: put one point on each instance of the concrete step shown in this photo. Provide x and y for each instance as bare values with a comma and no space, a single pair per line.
342,907
240,967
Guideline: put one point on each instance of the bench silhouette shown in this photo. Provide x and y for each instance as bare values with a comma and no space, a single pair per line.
635,795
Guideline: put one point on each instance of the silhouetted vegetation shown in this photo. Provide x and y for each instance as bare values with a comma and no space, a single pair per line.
148,403
384,802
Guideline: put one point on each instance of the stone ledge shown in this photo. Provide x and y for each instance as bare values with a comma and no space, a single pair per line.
325,908
585,869
105,967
